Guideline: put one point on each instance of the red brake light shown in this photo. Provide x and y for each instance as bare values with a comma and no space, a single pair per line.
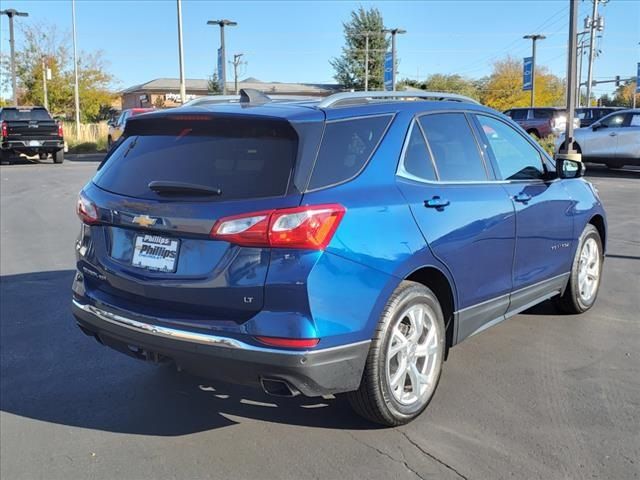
60,130
4,130
307,227
289,342
86,210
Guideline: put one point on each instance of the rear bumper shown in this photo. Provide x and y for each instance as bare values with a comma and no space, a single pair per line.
310,372
49,144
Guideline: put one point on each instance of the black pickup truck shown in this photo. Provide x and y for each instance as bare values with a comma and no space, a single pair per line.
32,131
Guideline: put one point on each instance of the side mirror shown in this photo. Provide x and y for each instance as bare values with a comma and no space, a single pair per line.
596,126
569,165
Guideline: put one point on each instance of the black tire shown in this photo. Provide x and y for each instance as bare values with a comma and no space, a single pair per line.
373,400
614,165
571,301
5,157
58,157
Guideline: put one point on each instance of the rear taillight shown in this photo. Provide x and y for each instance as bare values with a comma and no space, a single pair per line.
86,210
289,342
4,130
60,130
307,227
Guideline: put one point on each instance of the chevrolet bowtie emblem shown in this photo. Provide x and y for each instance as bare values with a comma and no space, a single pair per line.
144,220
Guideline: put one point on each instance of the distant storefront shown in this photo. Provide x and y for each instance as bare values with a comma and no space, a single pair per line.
165,92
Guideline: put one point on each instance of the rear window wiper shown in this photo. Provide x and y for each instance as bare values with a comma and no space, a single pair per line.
168,187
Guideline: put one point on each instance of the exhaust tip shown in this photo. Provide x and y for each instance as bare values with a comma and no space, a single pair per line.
278,388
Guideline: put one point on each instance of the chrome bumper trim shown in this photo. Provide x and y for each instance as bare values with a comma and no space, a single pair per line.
193,337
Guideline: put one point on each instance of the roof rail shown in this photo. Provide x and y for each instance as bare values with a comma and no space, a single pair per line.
355,98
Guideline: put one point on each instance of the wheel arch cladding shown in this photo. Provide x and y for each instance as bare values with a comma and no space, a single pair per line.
598,221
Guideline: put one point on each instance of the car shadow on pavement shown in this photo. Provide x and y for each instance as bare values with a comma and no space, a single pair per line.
51,372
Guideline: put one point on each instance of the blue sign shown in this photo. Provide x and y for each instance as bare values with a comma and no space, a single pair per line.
527,73
388,71
638,80
220,60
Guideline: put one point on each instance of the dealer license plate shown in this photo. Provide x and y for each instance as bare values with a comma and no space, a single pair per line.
154,252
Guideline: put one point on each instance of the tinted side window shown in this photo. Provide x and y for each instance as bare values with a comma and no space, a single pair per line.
517,159
453,146
542,114
519,114
346,148
613,121
417,160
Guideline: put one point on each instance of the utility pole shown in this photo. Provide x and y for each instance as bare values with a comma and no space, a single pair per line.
45,71
223,23
183,87
14,84
236,63
75,67
568,152
595,23
393,32
366,62
580,54
534,38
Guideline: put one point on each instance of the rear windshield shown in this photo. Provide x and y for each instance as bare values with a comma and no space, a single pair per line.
11,115
242,158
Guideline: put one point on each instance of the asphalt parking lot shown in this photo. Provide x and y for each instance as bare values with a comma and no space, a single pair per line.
539,396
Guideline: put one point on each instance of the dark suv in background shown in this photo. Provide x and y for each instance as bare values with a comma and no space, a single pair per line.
590,115
540,122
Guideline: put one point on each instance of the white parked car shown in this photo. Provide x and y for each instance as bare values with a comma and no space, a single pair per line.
613,140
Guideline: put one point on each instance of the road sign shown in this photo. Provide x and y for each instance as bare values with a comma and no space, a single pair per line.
388,71
527,73
638,80
220,79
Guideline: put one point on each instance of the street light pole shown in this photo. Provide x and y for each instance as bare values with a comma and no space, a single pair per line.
75,67
534,38
183,88
568,151
223,23
393,32
14,84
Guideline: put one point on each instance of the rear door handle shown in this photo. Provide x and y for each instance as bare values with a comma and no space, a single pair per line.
436,202
522,197
613,134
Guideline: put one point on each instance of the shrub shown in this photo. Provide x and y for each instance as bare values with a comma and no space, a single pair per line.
548,143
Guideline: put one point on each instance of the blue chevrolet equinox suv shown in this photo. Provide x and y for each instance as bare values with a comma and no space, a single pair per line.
329,246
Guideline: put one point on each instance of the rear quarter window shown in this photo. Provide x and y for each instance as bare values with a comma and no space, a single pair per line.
346,148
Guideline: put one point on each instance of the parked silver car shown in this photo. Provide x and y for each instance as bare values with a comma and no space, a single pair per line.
613,140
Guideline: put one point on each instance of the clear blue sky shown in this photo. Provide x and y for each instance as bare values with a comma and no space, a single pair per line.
293,41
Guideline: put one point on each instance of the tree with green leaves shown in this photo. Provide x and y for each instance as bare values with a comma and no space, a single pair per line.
350,66
441,82
43,43
213,85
